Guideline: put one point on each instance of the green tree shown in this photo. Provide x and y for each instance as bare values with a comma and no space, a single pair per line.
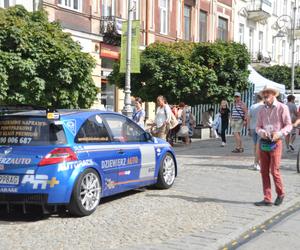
40,64
180,72
281,74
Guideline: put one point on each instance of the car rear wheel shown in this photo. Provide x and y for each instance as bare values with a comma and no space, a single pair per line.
86,194
167,172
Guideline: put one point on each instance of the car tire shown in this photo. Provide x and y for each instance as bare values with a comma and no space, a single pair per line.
167,172
86,194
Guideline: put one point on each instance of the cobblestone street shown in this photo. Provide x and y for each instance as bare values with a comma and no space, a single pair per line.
210,204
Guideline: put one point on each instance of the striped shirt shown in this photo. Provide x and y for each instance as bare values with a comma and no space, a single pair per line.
238,111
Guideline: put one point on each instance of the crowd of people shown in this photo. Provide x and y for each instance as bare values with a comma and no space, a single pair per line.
269,122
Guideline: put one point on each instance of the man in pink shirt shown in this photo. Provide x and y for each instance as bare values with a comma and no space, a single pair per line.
273,123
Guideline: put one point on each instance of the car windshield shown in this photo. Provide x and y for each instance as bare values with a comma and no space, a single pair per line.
30,130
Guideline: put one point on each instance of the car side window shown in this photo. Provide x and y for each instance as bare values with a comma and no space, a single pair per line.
123,129
93,131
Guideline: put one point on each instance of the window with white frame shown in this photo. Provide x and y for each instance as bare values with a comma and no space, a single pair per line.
241,33
283,52
108,7
202,26
250,46
187,22
222,29
275,7
152,7
260,41
179,17
7,3
164,16
71,4
274,48
297,55
136,10
284,7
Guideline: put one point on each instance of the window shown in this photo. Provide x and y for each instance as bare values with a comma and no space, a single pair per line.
274,48
7,3
187,22
179,17
71,4
203,26
241,33
136,10
124,129
260,41
151,14
223,29
108,7
297,55
164,15
283,52
285,7
93,131
251,41
31,130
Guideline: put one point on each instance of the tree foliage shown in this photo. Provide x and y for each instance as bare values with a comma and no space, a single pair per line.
189,72
40,64
281,74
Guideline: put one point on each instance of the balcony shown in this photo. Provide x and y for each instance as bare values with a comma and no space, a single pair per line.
259,10
111,29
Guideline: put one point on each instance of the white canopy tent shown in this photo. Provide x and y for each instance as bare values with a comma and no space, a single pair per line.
259,81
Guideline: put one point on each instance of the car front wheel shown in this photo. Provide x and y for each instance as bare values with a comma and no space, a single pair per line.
167,172
86,194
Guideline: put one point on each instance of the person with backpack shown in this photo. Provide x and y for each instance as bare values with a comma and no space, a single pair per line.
162,118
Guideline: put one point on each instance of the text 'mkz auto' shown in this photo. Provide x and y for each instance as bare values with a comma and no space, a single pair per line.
74,157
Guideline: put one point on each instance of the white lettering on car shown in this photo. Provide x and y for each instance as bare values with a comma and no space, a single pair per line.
74,164
15,161
39,180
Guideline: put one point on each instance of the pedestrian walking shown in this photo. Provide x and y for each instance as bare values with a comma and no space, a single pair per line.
290,138
186,120
225,112
162,118
139,113
253,111
273,123
238,121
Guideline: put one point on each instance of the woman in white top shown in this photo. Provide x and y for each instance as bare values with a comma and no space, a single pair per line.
162,118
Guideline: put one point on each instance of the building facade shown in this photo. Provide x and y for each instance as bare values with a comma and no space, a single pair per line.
258,24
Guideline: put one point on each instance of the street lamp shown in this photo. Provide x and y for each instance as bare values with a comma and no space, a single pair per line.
282,24
127,109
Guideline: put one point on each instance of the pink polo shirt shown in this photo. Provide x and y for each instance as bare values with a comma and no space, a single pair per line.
274,119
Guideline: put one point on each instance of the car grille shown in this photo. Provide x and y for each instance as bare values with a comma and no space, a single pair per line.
23,198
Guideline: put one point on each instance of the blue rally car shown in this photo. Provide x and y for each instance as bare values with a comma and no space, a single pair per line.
76,157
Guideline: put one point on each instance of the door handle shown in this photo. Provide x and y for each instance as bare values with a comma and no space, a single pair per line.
121,151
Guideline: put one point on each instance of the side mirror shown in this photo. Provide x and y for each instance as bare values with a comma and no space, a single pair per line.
148,136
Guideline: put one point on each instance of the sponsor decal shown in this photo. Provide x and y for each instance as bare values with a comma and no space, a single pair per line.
158,151
74,164
123,173
15,161
8,190
119,162
2,167
98,119
71,126
39,181
110,184
113,163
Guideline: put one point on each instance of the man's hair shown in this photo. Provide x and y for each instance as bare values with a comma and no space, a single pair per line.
291,98
139,100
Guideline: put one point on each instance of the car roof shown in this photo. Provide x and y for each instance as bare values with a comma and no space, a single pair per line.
64,113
